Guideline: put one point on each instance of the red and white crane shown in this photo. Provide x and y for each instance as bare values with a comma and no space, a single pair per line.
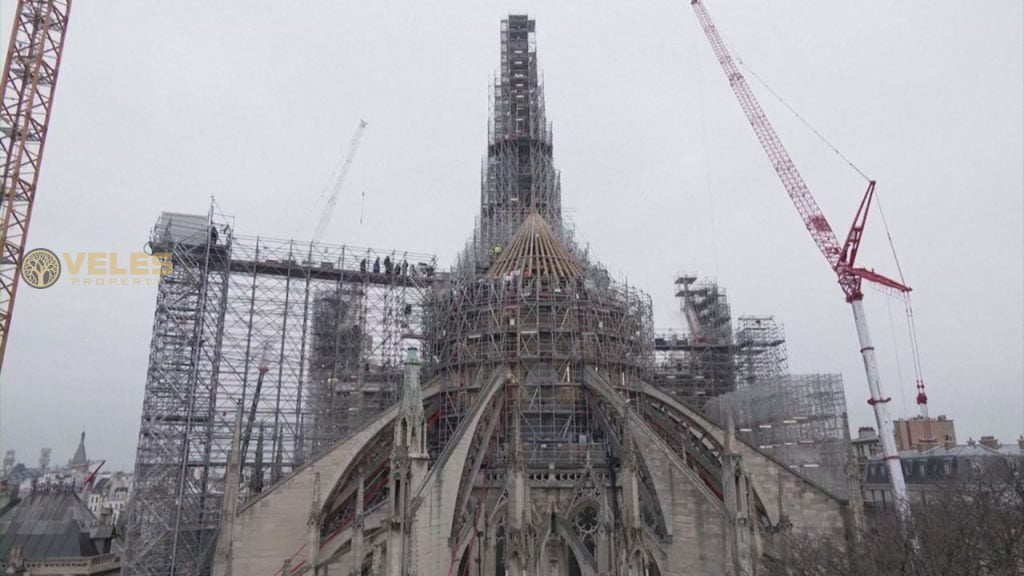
841,257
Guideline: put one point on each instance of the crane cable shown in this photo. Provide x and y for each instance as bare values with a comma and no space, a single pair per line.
802,120
325,194
922,399
896,350
707,155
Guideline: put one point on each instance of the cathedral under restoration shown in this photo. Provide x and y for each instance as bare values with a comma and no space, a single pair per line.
527,437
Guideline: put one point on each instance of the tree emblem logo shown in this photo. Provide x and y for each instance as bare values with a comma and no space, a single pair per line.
40,268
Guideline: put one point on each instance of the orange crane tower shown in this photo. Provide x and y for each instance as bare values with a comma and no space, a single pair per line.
841,257
29,81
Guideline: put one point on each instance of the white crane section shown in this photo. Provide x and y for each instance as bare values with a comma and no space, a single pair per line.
338,183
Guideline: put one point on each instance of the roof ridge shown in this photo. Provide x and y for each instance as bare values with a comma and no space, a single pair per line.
535,249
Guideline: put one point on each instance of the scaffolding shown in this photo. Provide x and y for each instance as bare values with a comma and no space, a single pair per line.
742,370
712,357
518,173
797,419
550,329
542,320
546,327
700,362
305,337
760,350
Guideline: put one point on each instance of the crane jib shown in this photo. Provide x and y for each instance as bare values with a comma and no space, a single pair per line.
840,258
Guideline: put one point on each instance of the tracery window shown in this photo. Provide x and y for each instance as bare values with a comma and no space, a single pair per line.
585,524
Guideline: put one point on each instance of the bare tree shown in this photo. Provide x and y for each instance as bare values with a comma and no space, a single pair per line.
970,525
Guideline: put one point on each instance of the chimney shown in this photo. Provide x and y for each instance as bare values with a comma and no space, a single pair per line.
989,442
105,516
1020,442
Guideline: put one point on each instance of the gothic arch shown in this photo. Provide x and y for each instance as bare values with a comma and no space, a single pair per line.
372,462
585,558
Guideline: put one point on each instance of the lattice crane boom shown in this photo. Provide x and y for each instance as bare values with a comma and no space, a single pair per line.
26,101
339,182
841,258
801,196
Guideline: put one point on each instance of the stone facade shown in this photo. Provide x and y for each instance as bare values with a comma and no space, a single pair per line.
587,524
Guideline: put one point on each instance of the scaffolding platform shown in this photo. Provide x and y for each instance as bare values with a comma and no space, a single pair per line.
307,338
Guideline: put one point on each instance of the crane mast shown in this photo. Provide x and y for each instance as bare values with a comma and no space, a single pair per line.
262,370
339,182
841,258
26,100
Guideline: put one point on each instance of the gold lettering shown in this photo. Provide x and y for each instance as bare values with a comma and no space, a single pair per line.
139,263
113,266
74,263
97,263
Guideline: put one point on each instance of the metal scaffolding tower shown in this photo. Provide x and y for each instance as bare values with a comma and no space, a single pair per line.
487,313
175,503
518,172
318,327
760,350
699,363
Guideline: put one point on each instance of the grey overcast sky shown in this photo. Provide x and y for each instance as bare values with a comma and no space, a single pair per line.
162,104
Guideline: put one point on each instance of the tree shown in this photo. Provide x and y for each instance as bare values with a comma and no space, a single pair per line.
970,525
